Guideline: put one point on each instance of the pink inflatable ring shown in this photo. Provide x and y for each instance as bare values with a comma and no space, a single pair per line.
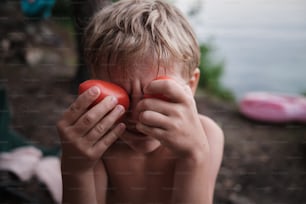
271,107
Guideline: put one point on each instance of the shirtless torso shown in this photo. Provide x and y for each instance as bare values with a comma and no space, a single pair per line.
137,178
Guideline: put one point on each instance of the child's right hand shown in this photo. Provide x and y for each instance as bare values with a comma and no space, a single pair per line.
87,133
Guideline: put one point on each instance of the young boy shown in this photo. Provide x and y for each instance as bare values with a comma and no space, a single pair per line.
161,151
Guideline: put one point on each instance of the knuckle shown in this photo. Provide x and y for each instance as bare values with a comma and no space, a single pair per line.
162,134
88,119
175,125
177,111
181,112
78,129
75,107
100,128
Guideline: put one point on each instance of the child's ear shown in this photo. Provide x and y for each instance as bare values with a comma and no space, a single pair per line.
194,80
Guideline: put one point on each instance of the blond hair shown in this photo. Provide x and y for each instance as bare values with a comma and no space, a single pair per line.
128,30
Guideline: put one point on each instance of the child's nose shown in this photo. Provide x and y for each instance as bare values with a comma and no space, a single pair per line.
132,112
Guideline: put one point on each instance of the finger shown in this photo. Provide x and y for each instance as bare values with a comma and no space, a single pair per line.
104,125
88,120
155,132
170,89
80,105
156,105
154,119
104,143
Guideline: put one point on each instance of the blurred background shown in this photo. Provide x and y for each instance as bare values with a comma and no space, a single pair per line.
261,41
246,46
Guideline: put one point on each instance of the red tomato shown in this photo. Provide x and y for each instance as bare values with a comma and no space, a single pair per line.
162,78
158,96
106,89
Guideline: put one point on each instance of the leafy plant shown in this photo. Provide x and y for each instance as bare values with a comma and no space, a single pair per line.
211,73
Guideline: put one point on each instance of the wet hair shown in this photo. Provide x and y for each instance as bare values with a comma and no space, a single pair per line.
129,31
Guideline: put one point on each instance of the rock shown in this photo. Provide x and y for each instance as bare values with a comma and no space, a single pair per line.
33,56
237,199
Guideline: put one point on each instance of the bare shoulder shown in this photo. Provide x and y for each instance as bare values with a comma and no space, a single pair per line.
213,131
215,139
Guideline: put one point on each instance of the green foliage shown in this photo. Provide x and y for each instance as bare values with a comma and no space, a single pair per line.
211,73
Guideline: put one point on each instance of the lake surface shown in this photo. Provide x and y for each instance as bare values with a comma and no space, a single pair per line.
263,43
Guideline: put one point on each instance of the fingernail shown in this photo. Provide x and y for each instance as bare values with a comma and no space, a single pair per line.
120,109
121,127
94,90
113,99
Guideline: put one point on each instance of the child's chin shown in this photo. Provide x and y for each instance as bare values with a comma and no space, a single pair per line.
145,148
141,144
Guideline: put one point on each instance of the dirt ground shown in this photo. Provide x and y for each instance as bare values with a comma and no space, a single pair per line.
262,163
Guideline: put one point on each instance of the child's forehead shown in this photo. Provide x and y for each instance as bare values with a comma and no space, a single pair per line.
135,68
139,70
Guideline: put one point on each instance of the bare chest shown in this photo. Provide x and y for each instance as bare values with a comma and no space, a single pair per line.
136,179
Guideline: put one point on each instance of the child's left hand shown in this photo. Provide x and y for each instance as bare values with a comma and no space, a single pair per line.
174,122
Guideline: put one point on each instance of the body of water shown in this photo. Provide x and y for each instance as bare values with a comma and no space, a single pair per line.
263,43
